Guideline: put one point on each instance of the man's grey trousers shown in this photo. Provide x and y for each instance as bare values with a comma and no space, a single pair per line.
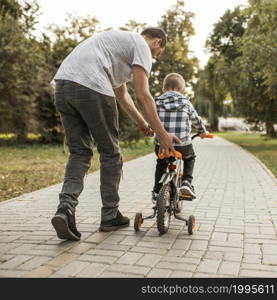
86,116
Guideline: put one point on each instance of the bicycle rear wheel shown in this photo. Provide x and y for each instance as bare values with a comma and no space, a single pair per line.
163,208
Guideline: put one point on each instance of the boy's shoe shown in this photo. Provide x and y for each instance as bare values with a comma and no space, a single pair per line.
118,222
187,189
64,224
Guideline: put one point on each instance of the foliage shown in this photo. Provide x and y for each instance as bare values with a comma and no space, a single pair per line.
21,61
210,92
242,66
65,40
213,85
259,63
177,58
243,44
27,103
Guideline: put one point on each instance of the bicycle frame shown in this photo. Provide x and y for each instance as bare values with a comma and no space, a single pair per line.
175,172
172,177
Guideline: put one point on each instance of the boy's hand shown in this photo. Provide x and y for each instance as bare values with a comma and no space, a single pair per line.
204,134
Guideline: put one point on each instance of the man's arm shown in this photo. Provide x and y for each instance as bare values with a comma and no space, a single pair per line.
148,107
127,104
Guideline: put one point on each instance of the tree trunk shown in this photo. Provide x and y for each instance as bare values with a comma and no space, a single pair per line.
214,124
213,118
21,132
270,131
21,137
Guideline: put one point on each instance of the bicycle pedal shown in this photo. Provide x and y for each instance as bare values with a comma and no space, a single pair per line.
186,197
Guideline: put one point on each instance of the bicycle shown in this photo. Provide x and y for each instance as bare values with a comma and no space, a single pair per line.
170,200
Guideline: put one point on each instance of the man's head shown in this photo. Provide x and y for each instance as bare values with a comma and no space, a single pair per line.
156,39
174,82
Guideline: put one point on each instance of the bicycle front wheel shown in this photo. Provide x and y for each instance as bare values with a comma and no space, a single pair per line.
163,208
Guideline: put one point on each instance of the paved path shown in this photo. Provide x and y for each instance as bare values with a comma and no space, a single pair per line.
236,212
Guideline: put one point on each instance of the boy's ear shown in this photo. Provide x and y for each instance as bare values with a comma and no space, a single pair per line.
164,90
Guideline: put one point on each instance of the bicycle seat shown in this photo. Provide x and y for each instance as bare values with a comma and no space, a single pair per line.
171,154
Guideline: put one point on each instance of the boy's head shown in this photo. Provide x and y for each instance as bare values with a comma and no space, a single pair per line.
174,82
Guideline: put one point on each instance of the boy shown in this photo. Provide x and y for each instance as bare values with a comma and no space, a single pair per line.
176,111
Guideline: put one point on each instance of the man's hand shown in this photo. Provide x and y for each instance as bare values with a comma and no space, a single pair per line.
127,104
166,140
204,134
146,129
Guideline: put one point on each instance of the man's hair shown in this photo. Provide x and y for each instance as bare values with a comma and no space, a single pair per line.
153,33
174,81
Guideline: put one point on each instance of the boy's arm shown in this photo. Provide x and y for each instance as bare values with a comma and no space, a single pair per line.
197,121
148,108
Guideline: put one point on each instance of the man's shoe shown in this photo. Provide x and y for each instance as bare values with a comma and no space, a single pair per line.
154,197
118,222
64,224
187,189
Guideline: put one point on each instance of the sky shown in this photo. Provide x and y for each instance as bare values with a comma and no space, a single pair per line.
116,13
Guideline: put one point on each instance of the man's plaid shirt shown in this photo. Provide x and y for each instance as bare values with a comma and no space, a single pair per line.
177,113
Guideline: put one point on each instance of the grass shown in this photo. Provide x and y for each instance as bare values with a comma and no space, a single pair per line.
263,148
26,168
9,139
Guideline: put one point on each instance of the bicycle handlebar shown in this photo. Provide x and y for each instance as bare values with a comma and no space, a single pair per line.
171,154
209,136
178,154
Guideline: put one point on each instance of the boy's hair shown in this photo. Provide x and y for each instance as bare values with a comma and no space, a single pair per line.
174,81
153,32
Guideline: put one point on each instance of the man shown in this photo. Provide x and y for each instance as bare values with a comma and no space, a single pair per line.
86,85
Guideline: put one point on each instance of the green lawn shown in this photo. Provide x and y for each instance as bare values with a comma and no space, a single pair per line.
263,148
28,168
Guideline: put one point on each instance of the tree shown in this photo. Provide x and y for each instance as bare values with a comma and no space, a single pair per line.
177,58
244,40
21,61
30,64
216,80
259,63
63,40
227,32
210,92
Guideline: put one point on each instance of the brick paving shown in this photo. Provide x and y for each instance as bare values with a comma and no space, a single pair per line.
235,209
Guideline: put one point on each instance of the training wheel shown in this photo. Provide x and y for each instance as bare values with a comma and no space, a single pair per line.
191,224
138,221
